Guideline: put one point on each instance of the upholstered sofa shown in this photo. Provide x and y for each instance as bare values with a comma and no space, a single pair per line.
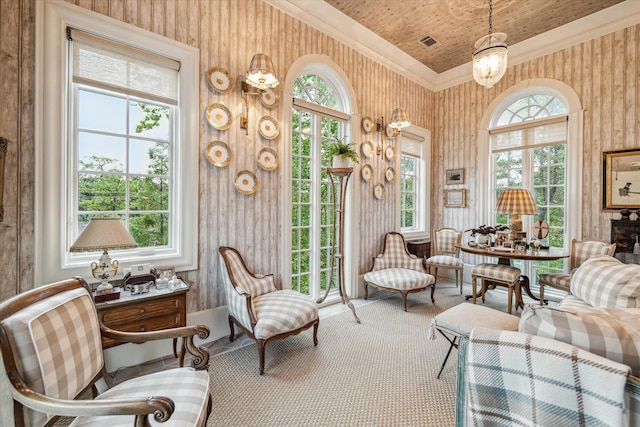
600,315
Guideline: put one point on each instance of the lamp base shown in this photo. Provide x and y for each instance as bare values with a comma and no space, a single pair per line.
515,226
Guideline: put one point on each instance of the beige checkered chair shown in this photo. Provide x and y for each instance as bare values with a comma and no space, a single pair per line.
396,270
496,274
581,250
260,308
445,253
51,350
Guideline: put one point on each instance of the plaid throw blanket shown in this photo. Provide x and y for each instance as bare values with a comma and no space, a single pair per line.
526,380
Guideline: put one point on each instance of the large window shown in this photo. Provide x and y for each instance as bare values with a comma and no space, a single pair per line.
528,150
122,136
316,123
123,145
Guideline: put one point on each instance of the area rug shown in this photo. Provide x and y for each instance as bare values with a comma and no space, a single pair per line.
381,372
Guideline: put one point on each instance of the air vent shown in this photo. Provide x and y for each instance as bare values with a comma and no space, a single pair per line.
428,41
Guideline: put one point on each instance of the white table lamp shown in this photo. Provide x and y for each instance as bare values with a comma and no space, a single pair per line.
102,234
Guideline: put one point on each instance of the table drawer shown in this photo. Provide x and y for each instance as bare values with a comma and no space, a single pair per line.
144,316
142,310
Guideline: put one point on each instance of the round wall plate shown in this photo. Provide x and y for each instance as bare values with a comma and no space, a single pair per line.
218,153
366,172
219,116
268,159
220,80
246,182
378,191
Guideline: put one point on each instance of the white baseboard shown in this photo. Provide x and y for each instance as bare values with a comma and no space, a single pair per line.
216,319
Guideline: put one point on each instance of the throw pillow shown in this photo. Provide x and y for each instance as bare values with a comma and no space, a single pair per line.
603,281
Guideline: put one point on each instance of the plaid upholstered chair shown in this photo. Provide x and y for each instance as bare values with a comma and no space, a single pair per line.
514,378
581,250
51,350
260,308
445,253
396,270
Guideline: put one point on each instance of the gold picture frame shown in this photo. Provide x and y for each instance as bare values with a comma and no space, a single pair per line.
454,198
454,176
621,179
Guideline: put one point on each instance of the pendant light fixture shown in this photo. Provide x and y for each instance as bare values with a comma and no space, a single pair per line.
490,56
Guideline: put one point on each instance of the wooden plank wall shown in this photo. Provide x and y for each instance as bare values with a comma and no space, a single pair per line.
228,33
604,73
17,33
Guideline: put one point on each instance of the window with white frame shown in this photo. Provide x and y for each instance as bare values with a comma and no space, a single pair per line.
414,183
125,144
317,122
529,150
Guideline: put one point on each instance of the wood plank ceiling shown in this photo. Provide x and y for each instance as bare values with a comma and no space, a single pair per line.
455,25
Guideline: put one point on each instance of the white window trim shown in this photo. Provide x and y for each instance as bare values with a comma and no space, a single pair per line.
324,67
52,18
424,186
564,92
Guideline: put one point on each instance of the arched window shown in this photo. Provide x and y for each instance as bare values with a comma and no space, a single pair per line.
319,119
531,139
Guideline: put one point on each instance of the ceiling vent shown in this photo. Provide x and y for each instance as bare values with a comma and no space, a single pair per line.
428,41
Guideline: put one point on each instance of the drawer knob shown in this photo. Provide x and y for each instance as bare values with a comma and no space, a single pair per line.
142,329
142,311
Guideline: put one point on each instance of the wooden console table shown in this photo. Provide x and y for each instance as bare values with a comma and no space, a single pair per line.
152,311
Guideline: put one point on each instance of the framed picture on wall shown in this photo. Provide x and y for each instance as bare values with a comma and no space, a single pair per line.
621,179
454,198
455,176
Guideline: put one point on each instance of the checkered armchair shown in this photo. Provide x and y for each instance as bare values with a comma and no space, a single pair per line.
396,270
445,253
261,309
51,351
581,250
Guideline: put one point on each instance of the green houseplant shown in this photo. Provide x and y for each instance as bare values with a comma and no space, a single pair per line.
341,152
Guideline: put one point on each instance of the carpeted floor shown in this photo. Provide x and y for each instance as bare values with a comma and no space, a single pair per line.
381,372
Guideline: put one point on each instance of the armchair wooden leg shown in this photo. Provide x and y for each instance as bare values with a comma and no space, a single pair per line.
458,282
315,333
541,294
433,289
261,346
510,298
404,301
366,291
231,329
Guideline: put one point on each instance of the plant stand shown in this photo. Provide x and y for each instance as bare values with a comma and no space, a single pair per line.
339,176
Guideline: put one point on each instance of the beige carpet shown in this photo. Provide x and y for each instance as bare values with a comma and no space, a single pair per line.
381,372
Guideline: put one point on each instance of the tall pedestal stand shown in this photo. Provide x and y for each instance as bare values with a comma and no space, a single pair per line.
339,176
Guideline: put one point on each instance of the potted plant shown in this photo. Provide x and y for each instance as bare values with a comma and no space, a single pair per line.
342,154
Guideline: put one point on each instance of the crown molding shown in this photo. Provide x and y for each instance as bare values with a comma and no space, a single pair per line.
325,18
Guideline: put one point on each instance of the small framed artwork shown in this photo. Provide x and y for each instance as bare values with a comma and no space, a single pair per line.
502,239
454,198
621,179
455,176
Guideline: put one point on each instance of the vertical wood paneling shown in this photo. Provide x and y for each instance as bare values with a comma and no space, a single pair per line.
604,72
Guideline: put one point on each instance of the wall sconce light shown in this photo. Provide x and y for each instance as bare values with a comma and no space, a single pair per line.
260,76
399,120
